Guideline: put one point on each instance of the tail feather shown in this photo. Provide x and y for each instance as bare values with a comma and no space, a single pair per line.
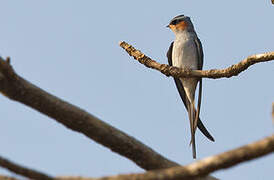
186,102
197,113
192,117
204,130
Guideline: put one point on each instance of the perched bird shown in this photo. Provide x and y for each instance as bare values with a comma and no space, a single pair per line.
186,52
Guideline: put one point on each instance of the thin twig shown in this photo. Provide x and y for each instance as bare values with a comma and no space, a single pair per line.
233,70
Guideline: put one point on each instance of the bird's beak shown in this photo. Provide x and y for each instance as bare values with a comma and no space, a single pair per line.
167,26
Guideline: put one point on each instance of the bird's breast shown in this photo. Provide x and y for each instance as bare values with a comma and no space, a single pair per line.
184,54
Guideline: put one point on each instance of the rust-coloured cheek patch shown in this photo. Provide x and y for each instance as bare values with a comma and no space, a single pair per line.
181,26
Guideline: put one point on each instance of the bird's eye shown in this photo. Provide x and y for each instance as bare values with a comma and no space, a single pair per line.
174,22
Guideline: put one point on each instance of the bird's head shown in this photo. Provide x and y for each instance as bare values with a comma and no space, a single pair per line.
181,23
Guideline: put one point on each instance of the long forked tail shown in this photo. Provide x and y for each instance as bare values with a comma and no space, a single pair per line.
191,115
186,102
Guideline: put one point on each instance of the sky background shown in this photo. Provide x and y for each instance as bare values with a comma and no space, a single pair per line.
70,49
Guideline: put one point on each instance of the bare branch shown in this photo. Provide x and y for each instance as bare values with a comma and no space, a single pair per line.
18,89
7,178
26,172
204,166
33,174
233,70
194,170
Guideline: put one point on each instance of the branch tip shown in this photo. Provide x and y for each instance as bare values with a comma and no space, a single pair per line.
121,42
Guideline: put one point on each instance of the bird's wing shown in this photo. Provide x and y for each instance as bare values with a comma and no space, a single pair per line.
182,93
199,52
178,83
200,60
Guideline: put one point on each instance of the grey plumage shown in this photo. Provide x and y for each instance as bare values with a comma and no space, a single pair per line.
186,52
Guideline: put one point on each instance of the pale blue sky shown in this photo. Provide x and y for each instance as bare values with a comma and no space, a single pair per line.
70,48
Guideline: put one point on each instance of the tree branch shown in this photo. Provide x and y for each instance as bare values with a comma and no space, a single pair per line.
32,174
26,172
18,89
194,170
7,178
233,70
204,166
